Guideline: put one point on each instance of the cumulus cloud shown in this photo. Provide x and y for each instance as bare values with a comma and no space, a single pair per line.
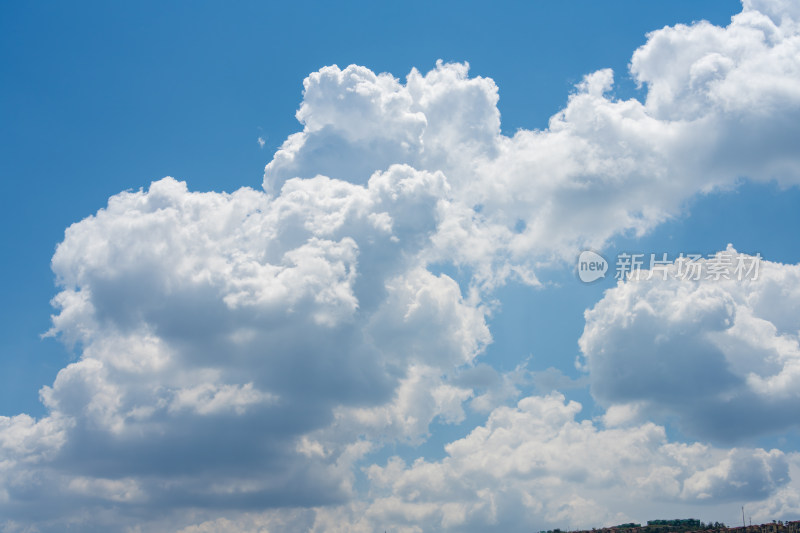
247,350
786,500
721,355
535,465
216,330
722,103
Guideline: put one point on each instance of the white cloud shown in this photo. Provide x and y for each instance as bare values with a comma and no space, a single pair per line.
209,398
420,398
785,501
536,466
721,355
246,350
722,103
218,331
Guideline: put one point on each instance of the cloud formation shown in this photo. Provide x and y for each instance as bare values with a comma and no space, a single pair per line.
721,104
720,355
246,351
216,331
536,463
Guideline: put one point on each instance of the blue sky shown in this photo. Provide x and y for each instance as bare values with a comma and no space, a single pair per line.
102,99
383,328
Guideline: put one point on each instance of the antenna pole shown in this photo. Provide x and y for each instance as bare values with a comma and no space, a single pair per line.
743,524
